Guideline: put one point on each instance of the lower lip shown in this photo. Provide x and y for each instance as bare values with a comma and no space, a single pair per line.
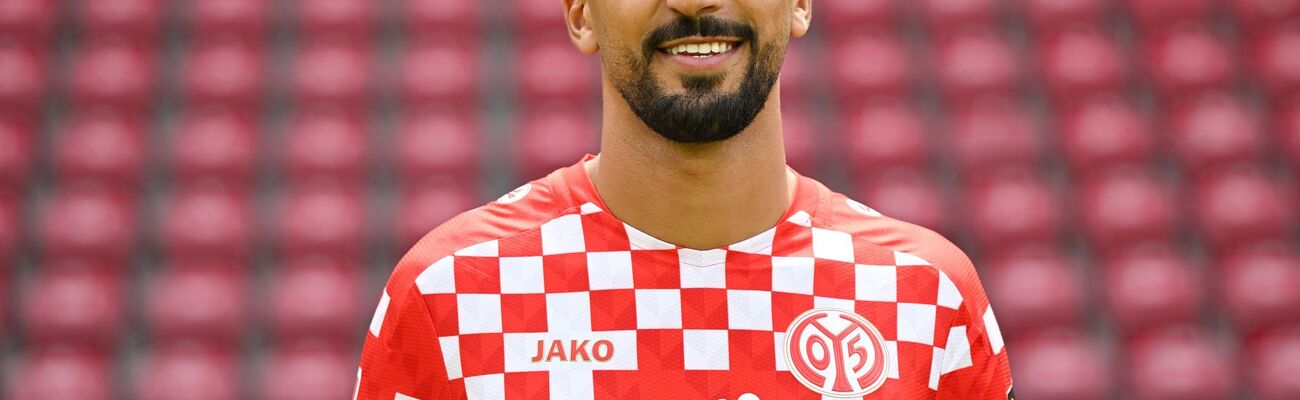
702,64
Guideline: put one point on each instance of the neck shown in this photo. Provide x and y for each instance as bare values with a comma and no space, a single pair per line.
699,196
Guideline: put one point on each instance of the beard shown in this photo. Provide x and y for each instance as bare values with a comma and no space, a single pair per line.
702,113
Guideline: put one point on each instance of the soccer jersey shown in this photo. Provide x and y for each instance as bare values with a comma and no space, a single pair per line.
544,294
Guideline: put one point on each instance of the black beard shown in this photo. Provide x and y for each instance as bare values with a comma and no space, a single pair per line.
702,114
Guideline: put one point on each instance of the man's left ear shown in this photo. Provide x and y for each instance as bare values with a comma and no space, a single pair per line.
800,18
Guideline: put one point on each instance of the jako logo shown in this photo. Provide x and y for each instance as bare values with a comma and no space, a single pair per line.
836,353
577,350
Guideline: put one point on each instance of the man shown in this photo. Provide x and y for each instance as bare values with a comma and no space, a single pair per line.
686,261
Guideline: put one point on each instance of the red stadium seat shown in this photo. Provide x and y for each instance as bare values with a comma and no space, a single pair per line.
1154,14
1013,209
322,218
1263,13
1213,132
136,19
31,20
906,195
1082,62
993,134
850,15
1287,126
9,233
884,135
554,70
425,205
553,137
1242,206
441,71
76,305
1126,207
976,63
1034,289
332,71
1103,133
245,18
17,150
354,18
224,72
1189,59
801,140
1276,58
198,302
1067,366
440,142
1261,286
102,146
1150,286
537,16
869,65
442,18
217,145
315,297
327,142
88,223
22,77
1271,362
202,222
113,73
61,373
1047,16
308,371
799,71
1181,364
949,16
169,371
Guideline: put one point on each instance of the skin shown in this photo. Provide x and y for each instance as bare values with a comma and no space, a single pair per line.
695,195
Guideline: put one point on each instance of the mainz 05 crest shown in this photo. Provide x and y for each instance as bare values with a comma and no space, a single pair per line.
836,353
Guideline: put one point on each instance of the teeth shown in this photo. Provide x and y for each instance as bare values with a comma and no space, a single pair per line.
701,49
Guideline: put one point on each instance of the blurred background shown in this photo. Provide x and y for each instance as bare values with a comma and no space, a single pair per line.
202,198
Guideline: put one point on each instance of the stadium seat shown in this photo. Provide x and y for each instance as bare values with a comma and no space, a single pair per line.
102,146
1276,58
843,16
83,222
1241,206
60,373
799,72
869,65
29,20
1261,286
1150,286
205,303
315,297
332,71
1286,126
74,305
907,195
992,134
949,16
352,18
536,16
22,77
1188,59
882,135
553,137
801,138
1271,362
207,222
326,142
169,371
1126,207
322,218
1155,14
139,20
975,63
426,204
17,150
440,142
1060,366
308,371
112,73
1253,14
1048,16
553,70
1103,133
224,71
1013,209
458,19
215,145
244,18
1082,62
1216,131
441,71
1034,289
1185,364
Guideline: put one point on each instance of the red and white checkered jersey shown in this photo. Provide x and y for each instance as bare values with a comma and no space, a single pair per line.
543,294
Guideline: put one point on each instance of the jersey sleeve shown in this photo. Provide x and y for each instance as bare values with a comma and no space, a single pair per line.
974,365
402,354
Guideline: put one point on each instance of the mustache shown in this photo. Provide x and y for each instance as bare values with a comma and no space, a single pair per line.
705,26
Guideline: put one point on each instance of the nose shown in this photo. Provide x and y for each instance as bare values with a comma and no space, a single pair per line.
694,8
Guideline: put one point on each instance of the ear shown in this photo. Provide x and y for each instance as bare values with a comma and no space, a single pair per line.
577,16
800,18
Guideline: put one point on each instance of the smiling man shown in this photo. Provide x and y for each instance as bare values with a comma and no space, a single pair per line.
686,260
